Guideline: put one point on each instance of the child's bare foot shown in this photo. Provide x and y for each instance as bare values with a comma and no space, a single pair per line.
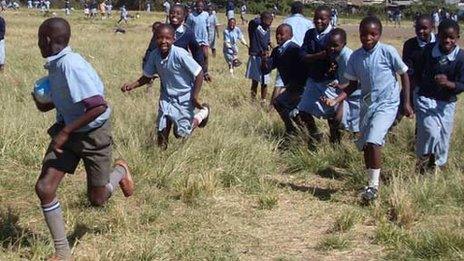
126,184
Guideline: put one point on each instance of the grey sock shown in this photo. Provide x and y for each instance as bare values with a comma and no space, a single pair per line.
116,176
54,218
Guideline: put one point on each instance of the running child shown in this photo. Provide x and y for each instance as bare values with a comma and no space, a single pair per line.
232,35
259,33
198,22
313,55
123,14
285,57
212,29
2,43
150,48
375,66
82,131
181,80
440,79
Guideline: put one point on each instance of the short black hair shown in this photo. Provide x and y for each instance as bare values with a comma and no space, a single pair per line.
339,31
424,17
323,8
371,19
297,7
448,23
178,6
58,29
287,26
156,24
230,19
266,15
162,27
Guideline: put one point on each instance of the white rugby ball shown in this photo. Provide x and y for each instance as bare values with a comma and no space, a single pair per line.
42,92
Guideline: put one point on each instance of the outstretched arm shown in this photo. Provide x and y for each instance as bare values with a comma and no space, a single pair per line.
197,88
126,87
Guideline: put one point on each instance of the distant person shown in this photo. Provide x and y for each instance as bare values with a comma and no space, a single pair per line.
109,7
198,21
94,9
2,43
29,4
212,29
397,17
182,79
67,7
381,96
167,8
243,12
123,14
230,9
440,80
259,33
436,19
232,35
334,17
102,8
148,7
82,132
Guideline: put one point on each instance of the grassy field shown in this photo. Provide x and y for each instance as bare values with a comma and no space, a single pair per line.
227,193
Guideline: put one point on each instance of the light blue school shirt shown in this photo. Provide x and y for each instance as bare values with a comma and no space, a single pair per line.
177,73
300,25
72,80
199,24
212,22
342,62
376,71
232,37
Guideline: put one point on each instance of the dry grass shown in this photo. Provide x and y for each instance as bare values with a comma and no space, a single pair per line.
228,192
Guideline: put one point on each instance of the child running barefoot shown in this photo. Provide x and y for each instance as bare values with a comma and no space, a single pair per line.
260,39
440,78
285,58
82,131
232,35
375,66
181,79
313,100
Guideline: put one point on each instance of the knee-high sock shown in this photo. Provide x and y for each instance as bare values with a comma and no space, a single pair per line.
54,218
115,177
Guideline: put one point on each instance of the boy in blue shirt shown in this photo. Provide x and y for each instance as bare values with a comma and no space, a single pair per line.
82,131
380,96
198,22
259,33
212,29
181,79
440,78
285,59
232,35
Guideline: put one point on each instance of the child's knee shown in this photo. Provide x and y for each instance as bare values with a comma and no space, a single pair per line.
98,196
44,190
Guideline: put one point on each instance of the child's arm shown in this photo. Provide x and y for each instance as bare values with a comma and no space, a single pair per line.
267,63
43,107
244,42
407,108
196,90
126,87
347,91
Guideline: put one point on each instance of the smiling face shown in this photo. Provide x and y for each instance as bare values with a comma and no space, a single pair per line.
199,6
164,39
231,24
369,35
176,16
448,38
424,29
283,34
321,20
335,44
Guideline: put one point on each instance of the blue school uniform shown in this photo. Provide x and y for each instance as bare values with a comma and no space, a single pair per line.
212,22
376,70
177,73
300,25
260,39
310,101
199,25
435,106
231,39
315,42
72,80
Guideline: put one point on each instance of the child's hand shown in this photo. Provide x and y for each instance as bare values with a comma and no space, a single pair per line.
59,141
207,77
408,111
442,81
328,102
127,87
197,103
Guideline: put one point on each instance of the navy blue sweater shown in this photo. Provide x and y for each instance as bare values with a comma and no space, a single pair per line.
288,65
259,38
315,70
2,28
429,67
185,40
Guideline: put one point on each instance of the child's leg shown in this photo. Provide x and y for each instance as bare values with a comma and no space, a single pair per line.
263,92
254,89
309,122
201,117
335,125
206,55
372,160
284,104
163,135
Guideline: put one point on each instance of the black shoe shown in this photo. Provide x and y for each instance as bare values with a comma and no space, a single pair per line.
369,194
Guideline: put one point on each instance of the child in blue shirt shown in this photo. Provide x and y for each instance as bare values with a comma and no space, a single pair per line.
285,59
232,35
212,29
198,22
375,66
440,78
181,79
82,131
259,33
314,58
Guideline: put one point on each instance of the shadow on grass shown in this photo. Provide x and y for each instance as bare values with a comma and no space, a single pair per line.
332,173
12,235
79,231
323,194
